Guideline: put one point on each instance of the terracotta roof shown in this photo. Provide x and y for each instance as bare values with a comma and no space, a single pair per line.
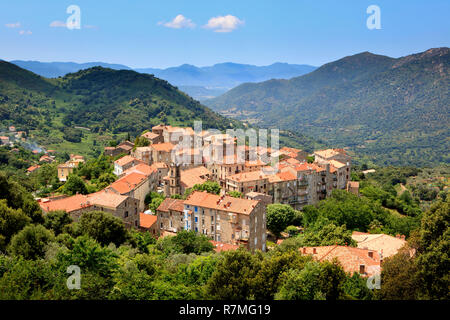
247,176
141,168
194,176
128,182
150,135
159,127
381,243
144,149
102,199
68,204
349,257
353,184
166,146
159,165
32,168
336,164
107,199
147,220
287,176
291,161
171,204
220,246
328,153
291,150
223,203
255,163
125,160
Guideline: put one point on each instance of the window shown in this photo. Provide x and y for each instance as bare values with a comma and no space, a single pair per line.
126,214
362,269
196,219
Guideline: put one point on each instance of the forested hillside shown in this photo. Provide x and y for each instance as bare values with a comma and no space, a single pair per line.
391,111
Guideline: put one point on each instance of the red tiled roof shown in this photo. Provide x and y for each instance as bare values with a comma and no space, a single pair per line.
349,257
171,204
125,160
220,246
248,176
147,220
141,168
128,182
150,135
102,198
32,168
224,203
68,204
385,244
165,147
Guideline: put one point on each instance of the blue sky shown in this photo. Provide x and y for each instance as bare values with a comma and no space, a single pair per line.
141,33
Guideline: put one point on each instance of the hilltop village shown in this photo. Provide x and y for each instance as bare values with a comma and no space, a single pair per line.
249,180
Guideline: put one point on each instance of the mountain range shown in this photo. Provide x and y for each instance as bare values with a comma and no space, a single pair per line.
199,82
390,110
83,111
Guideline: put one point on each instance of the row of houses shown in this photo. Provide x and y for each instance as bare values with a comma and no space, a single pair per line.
248,170
223,218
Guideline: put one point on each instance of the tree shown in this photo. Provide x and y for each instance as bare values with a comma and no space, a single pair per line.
208,186
235,194
269,278
303,284
155,204
141,142
433,261
355,287
74,185
18,198
26,280
332,279
56,220
233,277
279,216
185,242
11,221
30,242
326,234
398,278
103,227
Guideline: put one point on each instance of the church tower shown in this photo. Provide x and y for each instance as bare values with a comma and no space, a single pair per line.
174,179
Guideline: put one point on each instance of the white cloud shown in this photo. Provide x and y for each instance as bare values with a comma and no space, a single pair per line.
178,22
58,24
13,25
23,32
224,23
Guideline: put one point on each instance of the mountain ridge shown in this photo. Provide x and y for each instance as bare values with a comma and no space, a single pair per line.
200,82
396,104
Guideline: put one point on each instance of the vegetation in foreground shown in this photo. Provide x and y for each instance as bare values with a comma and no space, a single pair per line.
124,264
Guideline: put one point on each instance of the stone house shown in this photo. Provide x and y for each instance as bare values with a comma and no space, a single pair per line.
227,219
